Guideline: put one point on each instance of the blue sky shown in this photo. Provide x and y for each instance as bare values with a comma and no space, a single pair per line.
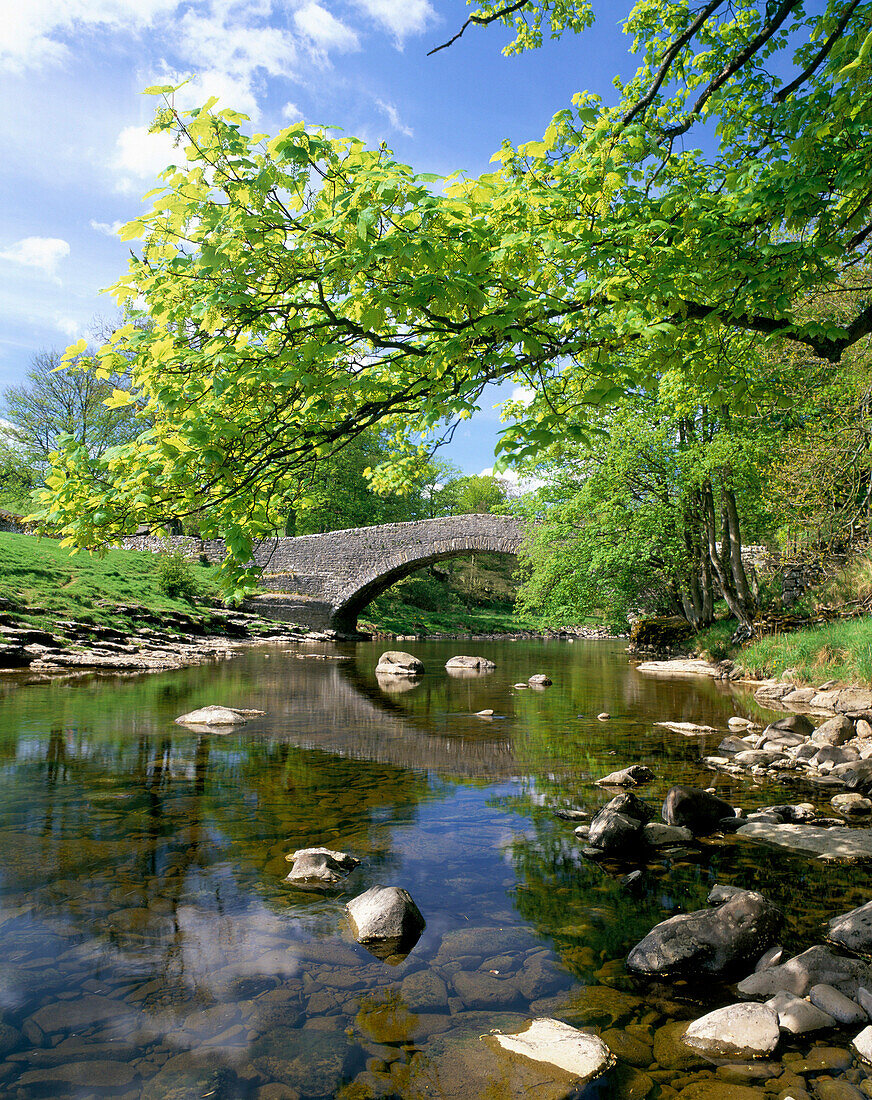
77,157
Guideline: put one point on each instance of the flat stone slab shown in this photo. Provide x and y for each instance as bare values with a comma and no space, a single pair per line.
558,1044
679,667
829,845
736,1031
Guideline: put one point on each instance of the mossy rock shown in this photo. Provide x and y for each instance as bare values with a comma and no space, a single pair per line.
664,633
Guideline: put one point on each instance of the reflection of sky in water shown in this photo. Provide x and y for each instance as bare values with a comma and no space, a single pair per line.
142,865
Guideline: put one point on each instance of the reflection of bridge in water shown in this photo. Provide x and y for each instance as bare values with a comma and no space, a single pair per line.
332,707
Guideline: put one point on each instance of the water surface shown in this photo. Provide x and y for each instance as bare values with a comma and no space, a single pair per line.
150,947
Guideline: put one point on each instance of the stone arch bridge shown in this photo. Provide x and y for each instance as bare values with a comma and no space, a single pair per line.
325,581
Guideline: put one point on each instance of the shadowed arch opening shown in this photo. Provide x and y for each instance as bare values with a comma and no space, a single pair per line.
354,598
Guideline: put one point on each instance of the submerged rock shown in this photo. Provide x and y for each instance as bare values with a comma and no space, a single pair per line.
737,1031
394,662
695,809
709,941
319,866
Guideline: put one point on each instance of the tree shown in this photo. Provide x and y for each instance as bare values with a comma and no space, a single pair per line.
55,402
302,289
650,513
475,494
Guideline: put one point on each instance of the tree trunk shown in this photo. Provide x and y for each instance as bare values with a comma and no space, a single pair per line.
721,564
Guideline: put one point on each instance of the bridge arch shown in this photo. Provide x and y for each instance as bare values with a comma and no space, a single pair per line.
330,578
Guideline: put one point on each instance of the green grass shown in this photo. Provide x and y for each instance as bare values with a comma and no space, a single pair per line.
839,651
392,615
44,582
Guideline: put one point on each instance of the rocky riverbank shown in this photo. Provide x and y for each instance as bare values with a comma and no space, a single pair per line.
162,642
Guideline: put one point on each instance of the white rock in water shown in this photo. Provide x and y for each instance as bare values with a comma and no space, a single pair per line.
216,716
737,723
539,679
384,913
395,662
842,1009
797,1015
737,1031
319,866
863,1045
584,1056
687,728
484,714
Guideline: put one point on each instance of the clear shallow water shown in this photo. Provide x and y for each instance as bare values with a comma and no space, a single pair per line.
150,947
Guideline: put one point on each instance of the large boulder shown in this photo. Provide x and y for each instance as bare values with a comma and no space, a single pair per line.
835,731
791,723
319,867
615,834
737,1031
385,913
394,662
470,664
695,809
853,930
715,941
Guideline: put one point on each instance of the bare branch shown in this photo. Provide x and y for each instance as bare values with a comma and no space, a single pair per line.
480,21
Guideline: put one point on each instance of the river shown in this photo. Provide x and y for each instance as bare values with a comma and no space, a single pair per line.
151,949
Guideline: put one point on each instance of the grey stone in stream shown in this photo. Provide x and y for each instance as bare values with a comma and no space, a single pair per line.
385,913
216,716
659,835
799,1016
769,958
842,1009
394,662
539,679
734,744
709,941
758,756
475,664
612,833
784,739
632,776
836,845
791,723
736,1031
319,866
852,804
864,1000
794,814
695,809
631,806
818,965
862,1044
853,930
835,731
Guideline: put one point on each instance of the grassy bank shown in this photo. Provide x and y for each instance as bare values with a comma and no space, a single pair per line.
840,651
42,583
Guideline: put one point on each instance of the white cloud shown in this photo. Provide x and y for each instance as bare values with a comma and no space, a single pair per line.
140,156
34,31
108,229
43,253
393,117
324,29
292,112
400,17
69,326
515,484
523,395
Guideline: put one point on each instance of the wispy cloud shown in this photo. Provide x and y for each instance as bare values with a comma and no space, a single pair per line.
140,156
401,17
324,29
42,253
108,229
393,117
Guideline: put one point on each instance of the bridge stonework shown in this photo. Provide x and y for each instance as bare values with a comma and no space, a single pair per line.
325,581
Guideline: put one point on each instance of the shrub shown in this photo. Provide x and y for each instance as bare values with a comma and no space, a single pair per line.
174,576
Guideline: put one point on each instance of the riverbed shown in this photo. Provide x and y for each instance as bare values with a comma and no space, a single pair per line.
151,948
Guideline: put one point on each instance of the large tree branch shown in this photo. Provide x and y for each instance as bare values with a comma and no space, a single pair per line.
820,56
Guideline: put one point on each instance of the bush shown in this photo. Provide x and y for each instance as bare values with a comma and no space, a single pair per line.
174,576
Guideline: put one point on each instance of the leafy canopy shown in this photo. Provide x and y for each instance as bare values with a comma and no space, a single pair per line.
303,288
